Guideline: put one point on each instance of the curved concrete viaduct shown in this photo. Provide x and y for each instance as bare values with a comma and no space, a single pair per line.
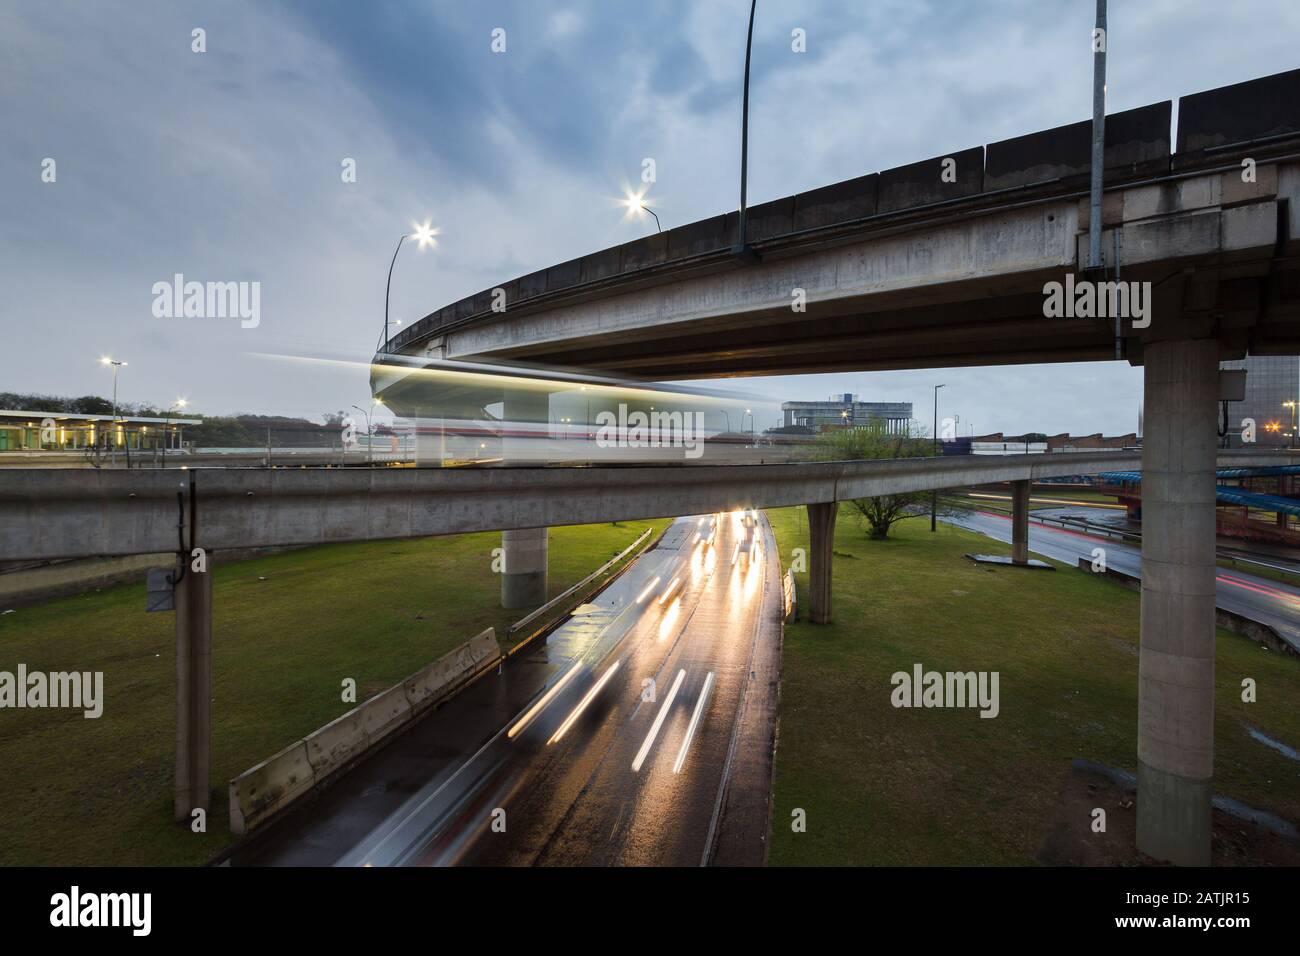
946,263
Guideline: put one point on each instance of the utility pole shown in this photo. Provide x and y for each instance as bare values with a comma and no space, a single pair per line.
1098,135
934,495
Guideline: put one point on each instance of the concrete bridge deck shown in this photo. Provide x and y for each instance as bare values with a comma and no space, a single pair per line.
908,268
47,514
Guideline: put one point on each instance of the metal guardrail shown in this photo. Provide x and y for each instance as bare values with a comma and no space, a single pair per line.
1133,535
577,588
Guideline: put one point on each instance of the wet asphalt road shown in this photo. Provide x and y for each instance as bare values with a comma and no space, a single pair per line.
639,734
1259,599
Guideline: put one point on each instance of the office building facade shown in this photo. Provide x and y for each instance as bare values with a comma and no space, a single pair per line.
1271,382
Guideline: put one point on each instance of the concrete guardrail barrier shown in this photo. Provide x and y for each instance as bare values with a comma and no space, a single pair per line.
263,791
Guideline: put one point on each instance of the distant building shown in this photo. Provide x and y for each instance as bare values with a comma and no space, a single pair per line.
34,430
999,444
1093,442
1271,380
840,411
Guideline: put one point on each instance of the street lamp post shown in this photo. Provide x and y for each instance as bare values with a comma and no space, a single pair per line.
658,228
1292,405
750,413
424,235
114,365
934,495
179,403
742,249
370,432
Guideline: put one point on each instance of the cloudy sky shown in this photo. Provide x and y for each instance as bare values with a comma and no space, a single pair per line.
226,165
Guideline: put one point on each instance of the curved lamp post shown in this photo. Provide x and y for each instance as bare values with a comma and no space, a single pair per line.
370,432
743,250
424,236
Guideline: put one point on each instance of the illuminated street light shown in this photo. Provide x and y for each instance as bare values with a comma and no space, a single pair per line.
114,365
424,235
636,204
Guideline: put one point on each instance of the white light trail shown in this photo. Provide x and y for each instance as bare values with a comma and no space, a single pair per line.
537,708
695,720
672,586
659,722
648,588
582,705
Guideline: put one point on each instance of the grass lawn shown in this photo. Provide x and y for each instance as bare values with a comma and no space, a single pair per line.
287,629
942,786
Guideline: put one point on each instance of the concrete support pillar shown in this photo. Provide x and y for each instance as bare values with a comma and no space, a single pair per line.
821,546
1176,661
524,570
1020,522
193,688
430,449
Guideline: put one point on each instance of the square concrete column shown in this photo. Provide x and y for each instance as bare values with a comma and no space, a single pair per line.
821,547
525,561
1176,659
1020,522
193,594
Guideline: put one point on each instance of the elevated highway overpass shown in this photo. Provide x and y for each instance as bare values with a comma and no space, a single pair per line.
947,262
64,514
912,268
48,514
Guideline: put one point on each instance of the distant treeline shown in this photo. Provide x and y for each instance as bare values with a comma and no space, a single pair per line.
216,431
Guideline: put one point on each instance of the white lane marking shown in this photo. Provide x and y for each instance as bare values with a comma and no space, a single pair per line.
695,720
537,708
659,722
582,705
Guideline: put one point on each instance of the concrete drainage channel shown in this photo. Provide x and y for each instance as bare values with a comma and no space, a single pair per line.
1234,808
264,793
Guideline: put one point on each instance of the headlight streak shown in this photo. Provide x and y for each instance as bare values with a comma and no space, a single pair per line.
538,707
669,619
659,722
648,588
695,720
673,585
582,704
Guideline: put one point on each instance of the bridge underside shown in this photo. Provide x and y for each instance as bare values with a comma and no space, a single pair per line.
911,268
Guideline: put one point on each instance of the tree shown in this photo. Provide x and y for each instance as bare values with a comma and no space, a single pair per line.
873,441
89,405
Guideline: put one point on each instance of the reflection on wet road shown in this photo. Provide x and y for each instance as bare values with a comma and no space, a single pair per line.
631,737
